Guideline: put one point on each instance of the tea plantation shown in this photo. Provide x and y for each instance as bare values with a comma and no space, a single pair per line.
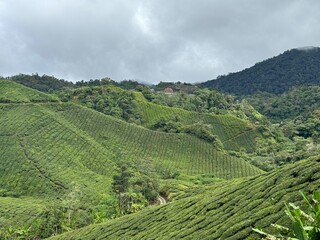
227,210
53,153
58,164
14,92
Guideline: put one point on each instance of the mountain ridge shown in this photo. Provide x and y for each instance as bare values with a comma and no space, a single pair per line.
278,74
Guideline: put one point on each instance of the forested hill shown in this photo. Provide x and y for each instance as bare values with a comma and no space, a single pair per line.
294,67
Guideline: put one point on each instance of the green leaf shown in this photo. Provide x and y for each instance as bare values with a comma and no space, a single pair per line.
306,199
308,228
298,230
259,231
316,196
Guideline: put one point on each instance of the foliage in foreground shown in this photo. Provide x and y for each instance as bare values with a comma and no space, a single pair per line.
305,225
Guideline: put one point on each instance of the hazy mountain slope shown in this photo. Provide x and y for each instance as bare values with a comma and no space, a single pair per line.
295,67
14,92
226,211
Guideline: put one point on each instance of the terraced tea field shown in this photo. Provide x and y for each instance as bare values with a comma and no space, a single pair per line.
227,210
41,155
233,132
14,92
171,151
51,150
20,211
47,149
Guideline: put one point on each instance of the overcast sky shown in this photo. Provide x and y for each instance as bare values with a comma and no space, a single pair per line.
150,40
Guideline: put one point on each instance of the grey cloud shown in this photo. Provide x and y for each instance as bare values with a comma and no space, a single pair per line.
181,40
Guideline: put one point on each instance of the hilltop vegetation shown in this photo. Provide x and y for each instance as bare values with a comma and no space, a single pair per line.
16,93
227,210
207,115
276,75
43,83
298,101
297,111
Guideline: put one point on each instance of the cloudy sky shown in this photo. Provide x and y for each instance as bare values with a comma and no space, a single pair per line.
150,40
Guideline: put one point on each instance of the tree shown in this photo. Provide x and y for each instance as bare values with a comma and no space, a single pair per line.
120,183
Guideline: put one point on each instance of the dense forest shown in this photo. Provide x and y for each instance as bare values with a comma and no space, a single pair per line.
296,67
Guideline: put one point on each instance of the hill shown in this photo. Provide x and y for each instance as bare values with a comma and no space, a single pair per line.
42,83
224,129
232,132
298,101
58,160
226,210
17,93
167,150
296,67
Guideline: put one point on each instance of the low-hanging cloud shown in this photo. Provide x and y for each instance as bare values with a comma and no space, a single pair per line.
151,41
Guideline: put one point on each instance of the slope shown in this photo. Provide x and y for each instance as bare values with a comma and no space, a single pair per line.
50,151
294,67
167,151
14,92
234,133
227,210
45,156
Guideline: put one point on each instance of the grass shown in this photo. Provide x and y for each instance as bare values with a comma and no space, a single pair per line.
227,210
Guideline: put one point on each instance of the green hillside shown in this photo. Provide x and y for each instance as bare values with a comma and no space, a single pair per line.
132,106
227,210
42,83
169,151
84,145
42,154
20,211
296,67
234,133
11,92
58,155
298,101
59,161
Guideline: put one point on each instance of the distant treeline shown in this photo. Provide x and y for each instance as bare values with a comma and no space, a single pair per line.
47,83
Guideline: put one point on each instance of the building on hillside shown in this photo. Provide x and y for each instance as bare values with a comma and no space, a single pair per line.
168,90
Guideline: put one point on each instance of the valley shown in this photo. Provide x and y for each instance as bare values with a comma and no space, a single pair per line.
123,160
